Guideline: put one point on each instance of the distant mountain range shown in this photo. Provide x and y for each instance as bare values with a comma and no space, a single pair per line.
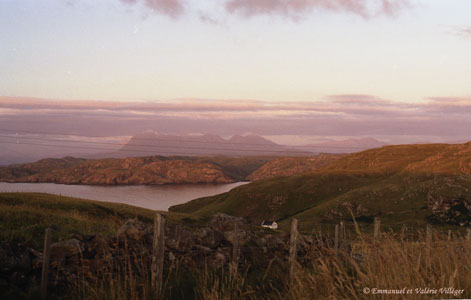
24,149
150,143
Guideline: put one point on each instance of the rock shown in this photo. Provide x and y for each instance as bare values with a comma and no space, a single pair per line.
450,210
241,235
14,258
223,222
171,256
203,249
65,249
178,238
132,229
209,237
218,260
261,242
99,245
275,242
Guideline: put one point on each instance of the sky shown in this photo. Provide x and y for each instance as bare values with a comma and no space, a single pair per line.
268,50
398,70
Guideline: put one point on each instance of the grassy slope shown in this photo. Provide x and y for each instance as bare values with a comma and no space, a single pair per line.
288,166
392,182
24,216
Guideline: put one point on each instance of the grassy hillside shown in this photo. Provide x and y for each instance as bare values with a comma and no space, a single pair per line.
288,166
414,184
24,216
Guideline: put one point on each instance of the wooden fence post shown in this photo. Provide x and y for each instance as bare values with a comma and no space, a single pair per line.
158,251
343,236
293,247
377,227
235,247
429,236
403,229
45,269
336,239
449,234
468,234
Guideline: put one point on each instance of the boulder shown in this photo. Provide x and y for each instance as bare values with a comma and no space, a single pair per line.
273,242
218,260
209,238
241,235
178,238
227,224
223,222
132,229
64,250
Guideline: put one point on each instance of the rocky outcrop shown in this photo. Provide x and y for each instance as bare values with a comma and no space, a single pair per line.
450,210
128,171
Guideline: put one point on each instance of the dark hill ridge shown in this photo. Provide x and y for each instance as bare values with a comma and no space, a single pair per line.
138,170
161,169
403,184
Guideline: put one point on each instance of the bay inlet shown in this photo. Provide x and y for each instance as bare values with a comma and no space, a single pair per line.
157,197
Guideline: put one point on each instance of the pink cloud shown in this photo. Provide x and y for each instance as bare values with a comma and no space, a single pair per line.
393,7
171,8
464,32
296,8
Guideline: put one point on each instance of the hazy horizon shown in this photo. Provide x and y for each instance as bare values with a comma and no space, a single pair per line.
294,72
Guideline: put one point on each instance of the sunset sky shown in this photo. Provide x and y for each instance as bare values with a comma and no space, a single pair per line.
269,50
382,68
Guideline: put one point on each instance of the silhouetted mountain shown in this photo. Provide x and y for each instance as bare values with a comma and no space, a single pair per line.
150,143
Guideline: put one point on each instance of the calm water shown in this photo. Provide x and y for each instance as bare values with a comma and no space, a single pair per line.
159,197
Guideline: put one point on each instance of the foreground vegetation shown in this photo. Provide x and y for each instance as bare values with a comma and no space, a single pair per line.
365,269
394,261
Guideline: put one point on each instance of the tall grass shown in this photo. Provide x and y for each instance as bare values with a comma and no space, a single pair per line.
392,262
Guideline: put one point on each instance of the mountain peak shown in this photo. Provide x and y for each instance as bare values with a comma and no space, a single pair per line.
250,139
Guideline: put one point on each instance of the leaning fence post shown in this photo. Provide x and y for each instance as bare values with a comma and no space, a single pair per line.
293,247
158,251
46,256
336,239
377,227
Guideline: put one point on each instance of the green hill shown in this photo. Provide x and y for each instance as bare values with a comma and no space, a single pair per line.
413,184
25,216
